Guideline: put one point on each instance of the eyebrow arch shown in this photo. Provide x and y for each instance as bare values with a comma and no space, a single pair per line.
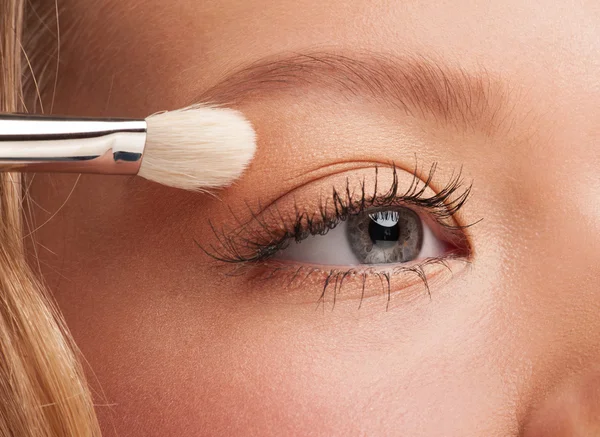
419,86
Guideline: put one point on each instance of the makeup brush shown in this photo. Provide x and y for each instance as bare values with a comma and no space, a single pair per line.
195,148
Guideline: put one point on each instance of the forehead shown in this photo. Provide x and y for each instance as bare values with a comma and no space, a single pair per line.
201,40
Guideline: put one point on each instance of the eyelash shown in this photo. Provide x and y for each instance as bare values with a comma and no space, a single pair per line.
253,243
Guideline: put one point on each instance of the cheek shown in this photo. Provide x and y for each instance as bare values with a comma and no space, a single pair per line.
181,358
304,371
312,371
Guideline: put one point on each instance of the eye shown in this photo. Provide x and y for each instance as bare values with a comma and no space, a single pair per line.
356,231
378,236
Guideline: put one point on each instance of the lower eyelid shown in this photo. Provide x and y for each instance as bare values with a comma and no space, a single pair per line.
308,284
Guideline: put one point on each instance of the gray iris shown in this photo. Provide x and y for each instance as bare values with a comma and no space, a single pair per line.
381,236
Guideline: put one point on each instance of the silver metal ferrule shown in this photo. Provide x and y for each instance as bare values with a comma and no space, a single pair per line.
40,143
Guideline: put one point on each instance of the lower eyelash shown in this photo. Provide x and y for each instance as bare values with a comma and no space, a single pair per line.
334,279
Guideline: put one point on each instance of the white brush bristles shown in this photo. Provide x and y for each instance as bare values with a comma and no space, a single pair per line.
197,148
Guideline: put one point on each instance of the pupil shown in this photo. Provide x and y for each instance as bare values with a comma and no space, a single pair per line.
379,233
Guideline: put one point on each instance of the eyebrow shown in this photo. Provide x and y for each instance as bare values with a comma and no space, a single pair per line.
419,86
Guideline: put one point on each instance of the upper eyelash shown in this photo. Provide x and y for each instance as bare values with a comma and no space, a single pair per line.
247,245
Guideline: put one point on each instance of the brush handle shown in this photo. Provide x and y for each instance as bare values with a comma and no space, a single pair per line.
40,143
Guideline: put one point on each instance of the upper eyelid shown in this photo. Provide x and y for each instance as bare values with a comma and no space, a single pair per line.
323,172
331,170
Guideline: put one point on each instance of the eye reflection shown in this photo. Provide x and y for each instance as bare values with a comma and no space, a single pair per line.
377,236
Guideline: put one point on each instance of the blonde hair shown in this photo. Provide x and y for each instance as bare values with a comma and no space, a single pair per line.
43,391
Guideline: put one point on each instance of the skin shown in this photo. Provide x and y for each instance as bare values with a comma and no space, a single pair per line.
506,346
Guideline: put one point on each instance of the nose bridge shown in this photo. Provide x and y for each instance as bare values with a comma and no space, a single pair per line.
548,196
573,409
549,238
553,174
556,218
